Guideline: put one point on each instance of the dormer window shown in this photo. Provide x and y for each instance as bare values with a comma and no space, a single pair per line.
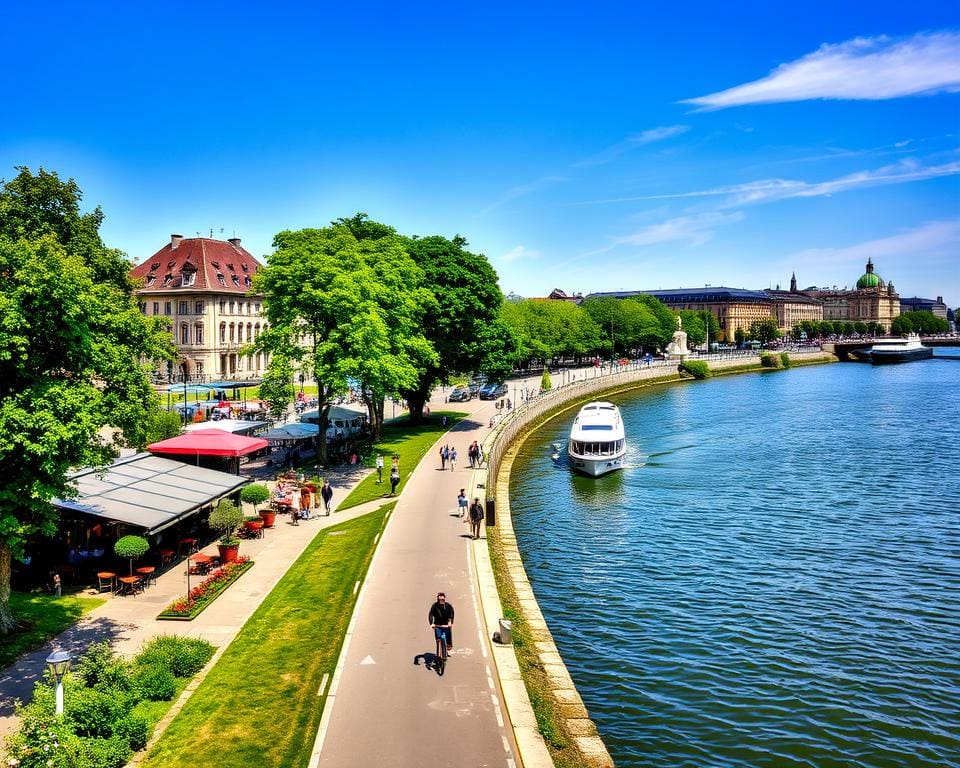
236,280
171,264
216,265
247,281
154,266
230,267
168,279
188,278
244,267
221,279
151,279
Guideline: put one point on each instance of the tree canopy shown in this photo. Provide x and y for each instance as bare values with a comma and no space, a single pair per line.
71,344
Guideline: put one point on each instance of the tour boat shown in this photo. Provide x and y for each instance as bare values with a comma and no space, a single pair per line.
597,441
899,350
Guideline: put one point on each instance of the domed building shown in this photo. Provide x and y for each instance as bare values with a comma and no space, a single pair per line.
873,300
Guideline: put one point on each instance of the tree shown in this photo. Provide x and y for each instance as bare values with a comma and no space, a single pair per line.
255,493
71,342
130,548
765,330
225,518
545,329
545,384
465,329
161,425
276,388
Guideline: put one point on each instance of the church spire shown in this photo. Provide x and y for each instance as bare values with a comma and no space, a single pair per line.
793,283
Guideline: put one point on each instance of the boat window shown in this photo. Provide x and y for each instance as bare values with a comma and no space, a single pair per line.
598,427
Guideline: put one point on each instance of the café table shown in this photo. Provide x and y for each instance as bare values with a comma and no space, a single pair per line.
166,556
128,585
148,574
201,562
189,543
106,579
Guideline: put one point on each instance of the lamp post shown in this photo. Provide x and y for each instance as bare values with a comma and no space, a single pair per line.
59,664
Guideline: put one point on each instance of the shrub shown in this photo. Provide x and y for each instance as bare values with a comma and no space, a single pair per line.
156,683
107,753
225,519
101,668
182,656
696,368
784,360
545,384
767,360
131,547
135,730
255,493
93,712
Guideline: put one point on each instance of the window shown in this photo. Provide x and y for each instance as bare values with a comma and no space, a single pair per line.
143,307
156,307
187,278
244,267
154,266
198,334
239,307
232,333
151,279
221,279
198,308
168,278
230,267
256,332
236,280
231,308
223,305
167,308
247,281
223,333
249,332
183,308
198,367
257,307
184,333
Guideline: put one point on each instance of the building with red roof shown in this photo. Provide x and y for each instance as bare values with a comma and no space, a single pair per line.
204,287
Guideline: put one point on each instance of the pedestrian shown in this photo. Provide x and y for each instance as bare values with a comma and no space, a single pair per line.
472,454
509,405
453,459
476,516
57,585
480,457
326,493
379,469
295,509
394,480
395,462
441,618
443,420
304,502
444,455
462,503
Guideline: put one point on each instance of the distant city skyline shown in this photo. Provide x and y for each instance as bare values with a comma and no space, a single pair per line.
619,147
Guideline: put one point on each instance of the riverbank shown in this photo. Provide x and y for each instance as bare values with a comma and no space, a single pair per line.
560,713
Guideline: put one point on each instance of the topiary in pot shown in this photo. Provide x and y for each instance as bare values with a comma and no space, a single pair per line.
255,493
225,519
131,547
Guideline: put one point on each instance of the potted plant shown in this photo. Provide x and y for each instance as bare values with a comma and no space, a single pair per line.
131,547
225,519
256,494
253,523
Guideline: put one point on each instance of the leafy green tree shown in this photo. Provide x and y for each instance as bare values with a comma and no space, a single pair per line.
276,388
545,329
161,425
860,327
739,336
131,548
464,328
71,341
902,325
919,321
765,330
255,493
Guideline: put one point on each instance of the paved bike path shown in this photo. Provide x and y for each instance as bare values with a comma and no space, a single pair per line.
386,707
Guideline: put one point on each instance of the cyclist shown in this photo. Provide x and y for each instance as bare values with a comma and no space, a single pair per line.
441,619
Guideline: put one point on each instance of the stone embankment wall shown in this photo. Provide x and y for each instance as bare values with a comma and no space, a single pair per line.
500,449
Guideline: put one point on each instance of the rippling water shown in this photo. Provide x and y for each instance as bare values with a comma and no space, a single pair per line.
775,578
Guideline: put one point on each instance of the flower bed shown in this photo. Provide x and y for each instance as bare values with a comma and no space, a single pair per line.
208,590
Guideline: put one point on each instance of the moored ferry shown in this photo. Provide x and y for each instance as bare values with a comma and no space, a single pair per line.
899,350
597,441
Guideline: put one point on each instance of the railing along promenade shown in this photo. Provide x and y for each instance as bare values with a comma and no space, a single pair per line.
577,385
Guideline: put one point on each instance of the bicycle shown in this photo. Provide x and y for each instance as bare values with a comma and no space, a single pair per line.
440,661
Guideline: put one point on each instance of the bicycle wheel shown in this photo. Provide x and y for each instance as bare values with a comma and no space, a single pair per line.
441,660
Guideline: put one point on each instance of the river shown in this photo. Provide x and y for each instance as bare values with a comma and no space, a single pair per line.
774,579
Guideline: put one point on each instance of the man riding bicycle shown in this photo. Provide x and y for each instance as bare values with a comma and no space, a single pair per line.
441,619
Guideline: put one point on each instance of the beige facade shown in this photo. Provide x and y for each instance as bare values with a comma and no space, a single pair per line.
792,307
873,300
203,287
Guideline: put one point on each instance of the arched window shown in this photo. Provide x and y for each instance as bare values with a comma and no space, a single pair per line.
233,336
256,332
223,333
249,332
184,333
198,333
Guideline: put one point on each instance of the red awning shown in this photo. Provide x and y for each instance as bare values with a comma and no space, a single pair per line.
209,442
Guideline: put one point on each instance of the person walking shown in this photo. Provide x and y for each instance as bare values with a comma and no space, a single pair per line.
444,455
394,480
326,493
476,516
453,459
305,502
441,619
462,503
379,469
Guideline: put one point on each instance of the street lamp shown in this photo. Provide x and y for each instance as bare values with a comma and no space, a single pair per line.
59,664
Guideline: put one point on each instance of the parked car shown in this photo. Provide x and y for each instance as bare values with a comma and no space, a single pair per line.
492,391
460,395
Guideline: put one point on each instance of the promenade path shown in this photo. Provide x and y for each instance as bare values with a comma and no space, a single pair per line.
386,707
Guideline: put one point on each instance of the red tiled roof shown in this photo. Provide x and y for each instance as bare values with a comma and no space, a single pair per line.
207,258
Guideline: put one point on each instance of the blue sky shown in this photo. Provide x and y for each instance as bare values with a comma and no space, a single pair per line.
587,147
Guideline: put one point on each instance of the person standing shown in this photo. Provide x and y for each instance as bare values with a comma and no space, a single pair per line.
379,469
444,453
476,516
453,459
326,493
462,504
441,619
305,502
394,480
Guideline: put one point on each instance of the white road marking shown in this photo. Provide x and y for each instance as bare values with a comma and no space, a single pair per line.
323,683
367,660
356,587
496,709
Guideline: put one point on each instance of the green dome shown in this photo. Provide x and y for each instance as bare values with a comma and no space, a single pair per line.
869,280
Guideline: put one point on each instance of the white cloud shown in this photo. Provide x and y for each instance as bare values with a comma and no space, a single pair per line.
521,191
694,230
518,253
935,242
863,68
769,190
636,140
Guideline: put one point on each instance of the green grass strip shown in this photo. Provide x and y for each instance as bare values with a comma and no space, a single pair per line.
259,705
41,617
410,442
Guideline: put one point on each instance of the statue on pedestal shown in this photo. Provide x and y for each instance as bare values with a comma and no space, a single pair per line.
678,344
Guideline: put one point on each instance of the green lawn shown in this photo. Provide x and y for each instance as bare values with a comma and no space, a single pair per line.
408,441
259,705
42,617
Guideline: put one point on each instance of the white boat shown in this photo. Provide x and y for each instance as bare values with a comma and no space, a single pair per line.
597,441
899,350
